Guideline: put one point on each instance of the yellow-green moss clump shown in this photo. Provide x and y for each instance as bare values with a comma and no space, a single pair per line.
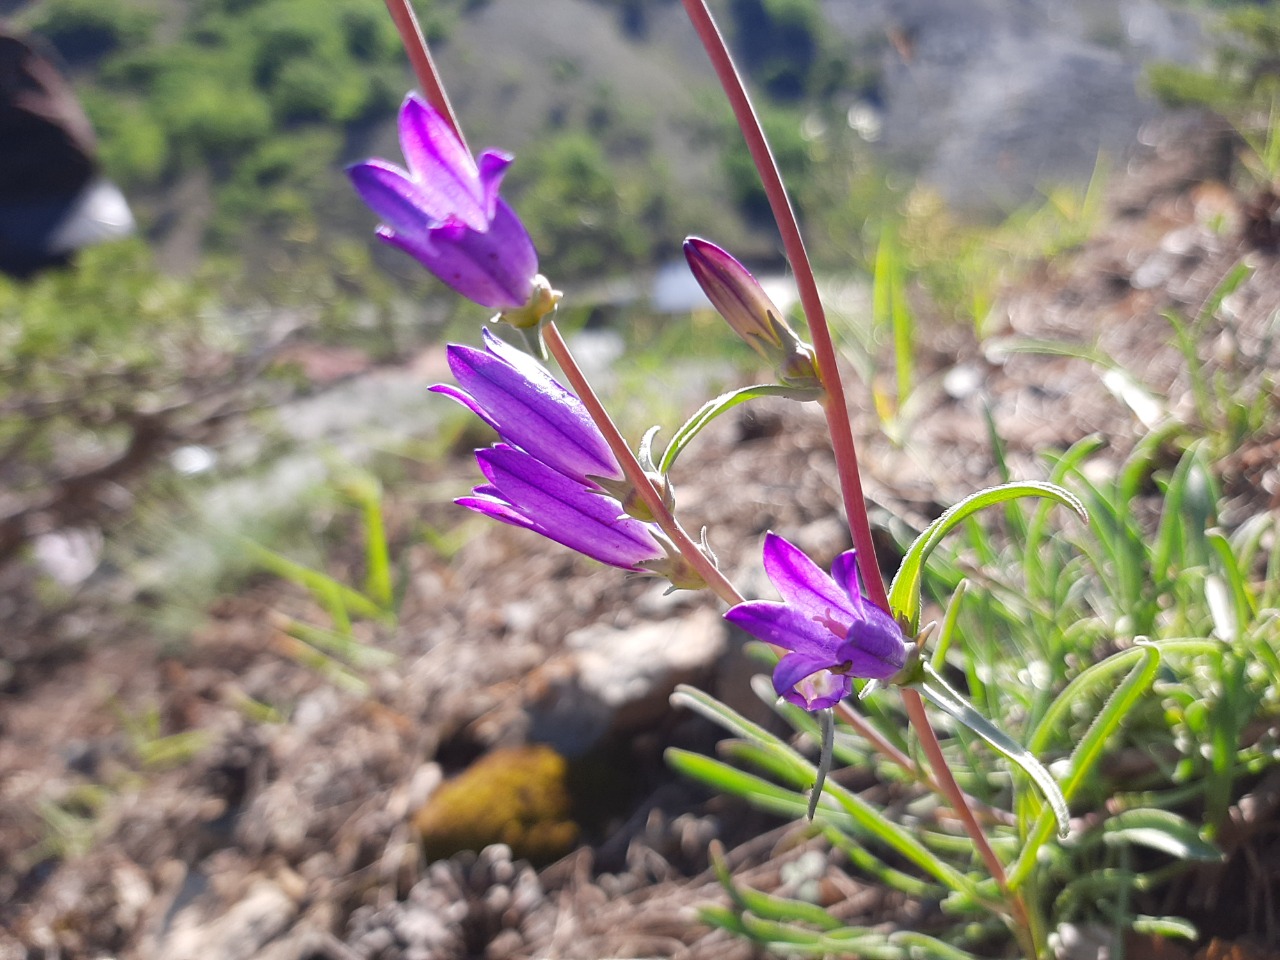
515,795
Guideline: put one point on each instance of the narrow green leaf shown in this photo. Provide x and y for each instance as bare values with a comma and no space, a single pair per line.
950,702
378,585
1160,830
947,633
904,594
1175,927
1240,606
874,867
1087,753
858,813
321,584
712,409
729,779
1230,283
770,907
1095,678
924,946
343,645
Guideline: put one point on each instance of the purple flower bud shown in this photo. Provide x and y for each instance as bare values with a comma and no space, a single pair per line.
739,298
444,211
830,628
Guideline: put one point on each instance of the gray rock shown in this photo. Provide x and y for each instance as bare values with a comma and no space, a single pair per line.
619,681
991,100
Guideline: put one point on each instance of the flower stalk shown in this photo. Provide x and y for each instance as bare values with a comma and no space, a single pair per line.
836,411
833,403
424,68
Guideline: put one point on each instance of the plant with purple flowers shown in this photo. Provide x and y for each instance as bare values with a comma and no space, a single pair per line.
552,473
561,469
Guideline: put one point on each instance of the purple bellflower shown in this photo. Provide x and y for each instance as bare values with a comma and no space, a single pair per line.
550,470
831,631
445,212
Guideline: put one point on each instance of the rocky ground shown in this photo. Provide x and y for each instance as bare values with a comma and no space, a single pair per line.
224,800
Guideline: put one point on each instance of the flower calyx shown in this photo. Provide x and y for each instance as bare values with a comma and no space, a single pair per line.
542,303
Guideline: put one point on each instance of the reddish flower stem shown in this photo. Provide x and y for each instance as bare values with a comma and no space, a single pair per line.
836,410
424,68
793,243
634,472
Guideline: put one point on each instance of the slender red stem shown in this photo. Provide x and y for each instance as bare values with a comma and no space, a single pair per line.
836,410
635,473
424,68
834,405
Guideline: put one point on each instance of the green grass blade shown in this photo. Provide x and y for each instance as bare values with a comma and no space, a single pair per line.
1161,830
860,814
1087,753
921,945
377,554
315,581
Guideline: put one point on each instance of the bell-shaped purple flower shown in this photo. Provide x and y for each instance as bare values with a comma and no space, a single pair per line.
551,469
529,409
444,211
831,631
525,492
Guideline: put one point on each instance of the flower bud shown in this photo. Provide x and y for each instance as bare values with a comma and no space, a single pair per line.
739,298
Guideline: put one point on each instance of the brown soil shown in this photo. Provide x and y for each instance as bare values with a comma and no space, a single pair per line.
299,825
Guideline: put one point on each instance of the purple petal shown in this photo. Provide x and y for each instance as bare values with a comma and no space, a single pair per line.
390,193
493,165
844,571
803,584
806,682
465,399
874,646
785,626
441,166
520,399
495,269
563,510
498,509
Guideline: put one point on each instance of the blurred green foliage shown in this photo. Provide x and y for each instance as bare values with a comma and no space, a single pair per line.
1243,75
257,96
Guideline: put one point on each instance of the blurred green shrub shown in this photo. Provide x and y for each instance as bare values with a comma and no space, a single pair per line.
1243,76
102,370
